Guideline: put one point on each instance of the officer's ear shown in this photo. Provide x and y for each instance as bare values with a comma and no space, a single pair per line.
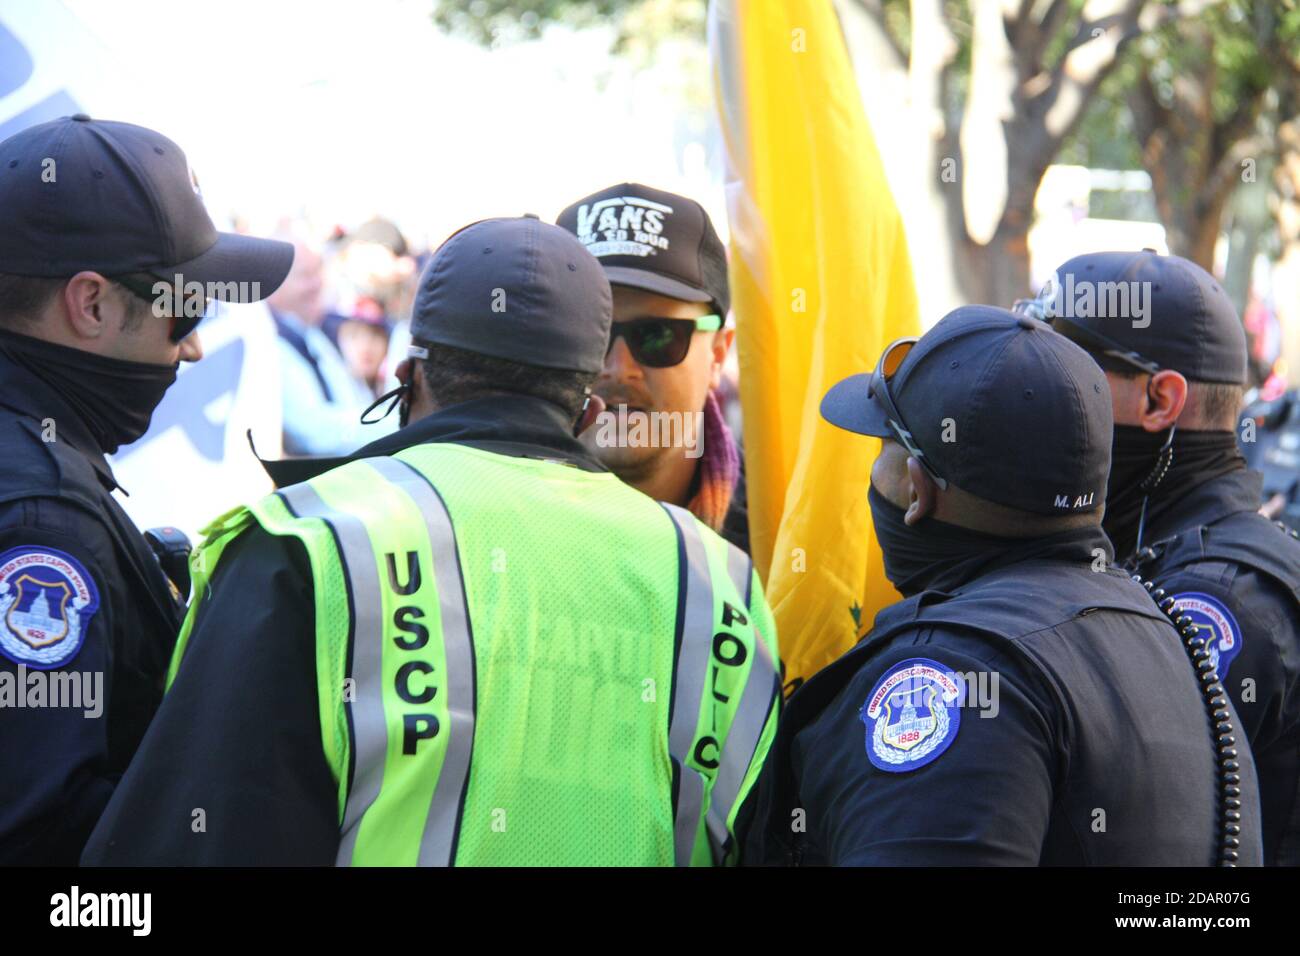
590,412
722,340
923,494
418,399
92,308
1166,394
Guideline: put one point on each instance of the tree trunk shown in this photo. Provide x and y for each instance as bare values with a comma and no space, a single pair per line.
1018,115
1286,210
1198,228
996,272
983,169
1251,221
903,99
1195,160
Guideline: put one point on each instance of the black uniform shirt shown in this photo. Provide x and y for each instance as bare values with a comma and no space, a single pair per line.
735,527
85,610
1237,574
1080,737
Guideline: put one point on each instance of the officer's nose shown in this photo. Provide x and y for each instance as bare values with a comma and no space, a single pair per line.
191,348
620,366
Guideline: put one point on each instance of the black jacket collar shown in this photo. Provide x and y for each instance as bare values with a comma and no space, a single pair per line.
1077,545
1239,490
31,397
517,425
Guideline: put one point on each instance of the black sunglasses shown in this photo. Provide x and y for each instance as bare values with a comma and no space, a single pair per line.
890,360
661,343
182,324
1108,353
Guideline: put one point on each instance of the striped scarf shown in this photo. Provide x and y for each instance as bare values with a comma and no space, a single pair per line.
718,470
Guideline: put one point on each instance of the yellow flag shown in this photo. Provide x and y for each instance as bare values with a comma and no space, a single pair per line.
820,282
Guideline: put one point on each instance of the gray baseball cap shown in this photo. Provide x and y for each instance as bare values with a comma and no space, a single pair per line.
516,289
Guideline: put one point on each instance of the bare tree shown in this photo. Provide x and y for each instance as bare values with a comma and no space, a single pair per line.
1204,104
1005,91
1286,212
998,87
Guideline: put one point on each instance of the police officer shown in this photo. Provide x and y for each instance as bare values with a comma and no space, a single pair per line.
1025,703
1181,505
94,214
473,644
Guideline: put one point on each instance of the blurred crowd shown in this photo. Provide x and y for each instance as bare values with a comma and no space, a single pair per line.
342,319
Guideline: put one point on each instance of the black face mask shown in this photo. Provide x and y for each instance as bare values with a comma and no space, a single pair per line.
930,553
1137,472
113,397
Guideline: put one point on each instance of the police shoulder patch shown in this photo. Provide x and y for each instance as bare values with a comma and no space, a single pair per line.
47,599
912,715
1215,623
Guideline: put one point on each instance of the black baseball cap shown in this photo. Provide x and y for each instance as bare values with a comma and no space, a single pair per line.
1166,310
1026,412
516,289
653,240
78,194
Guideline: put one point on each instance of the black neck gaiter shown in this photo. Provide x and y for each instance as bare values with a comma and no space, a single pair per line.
1198,456
930,554
114,398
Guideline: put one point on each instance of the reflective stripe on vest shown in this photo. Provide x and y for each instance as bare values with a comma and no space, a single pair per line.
706,645
438,845
398,613
739,567
695,635
358,554
762,688
369,727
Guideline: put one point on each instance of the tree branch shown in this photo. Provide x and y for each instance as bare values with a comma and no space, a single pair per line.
950,148
1228,169
1054,19
1058,107
875,10
1238,127
1149,114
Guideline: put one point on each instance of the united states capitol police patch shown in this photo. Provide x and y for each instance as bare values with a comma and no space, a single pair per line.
1216,624
46,602
912,715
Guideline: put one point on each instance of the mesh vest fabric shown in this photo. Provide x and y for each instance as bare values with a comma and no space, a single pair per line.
571,584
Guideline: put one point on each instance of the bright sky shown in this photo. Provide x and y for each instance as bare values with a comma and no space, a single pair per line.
347,109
